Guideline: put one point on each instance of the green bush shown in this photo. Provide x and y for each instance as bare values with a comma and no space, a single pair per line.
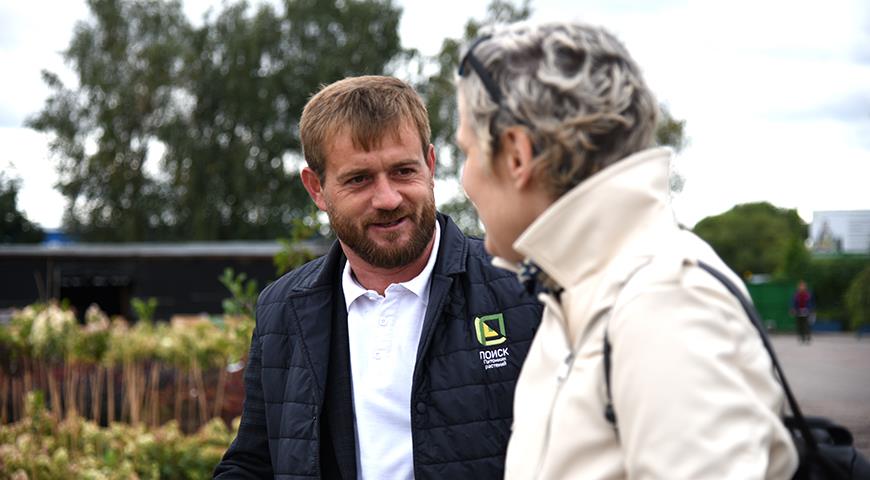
858,299
41,447
829,278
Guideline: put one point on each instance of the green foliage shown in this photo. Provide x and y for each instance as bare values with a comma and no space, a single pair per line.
90,344
41,447
795,262
51,327
50,332
858,299
670,131
251,74
244,294
14,225
221,102
830,278
293,253
144,309
754,237
128,58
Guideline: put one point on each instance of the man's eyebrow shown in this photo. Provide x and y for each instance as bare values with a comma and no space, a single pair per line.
411,162
353,173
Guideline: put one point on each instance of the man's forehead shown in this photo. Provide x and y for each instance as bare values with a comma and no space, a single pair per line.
345,141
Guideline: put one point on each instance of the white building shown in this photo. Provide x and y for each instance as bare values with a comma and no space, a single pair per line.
840,231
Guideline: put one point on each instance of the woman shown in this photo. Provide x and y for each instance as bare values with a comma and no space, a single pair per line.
555,122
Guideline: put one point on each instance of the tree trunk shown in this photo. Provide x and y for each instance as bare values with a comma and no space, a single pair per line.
4,404
200,387
179,394
132,391
28,368
219,394
97,393
70,395
54,391
110,395
155,394
16,400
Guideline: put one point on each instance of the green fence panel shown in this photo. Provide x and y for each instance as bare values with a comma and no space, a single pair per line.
773,301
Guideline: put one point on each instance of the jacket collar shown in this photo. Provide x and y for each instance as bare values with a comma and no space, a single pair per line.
617,209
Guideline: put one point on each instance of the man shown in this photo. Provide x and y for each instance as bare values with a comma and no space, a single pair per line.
802,306
395,355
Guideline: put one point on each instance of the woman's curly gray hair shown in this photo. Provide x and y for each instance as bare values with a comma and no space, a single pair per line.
575,88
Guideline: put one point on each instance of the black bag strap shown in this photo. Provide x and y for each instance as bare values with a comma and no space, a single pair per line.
799,419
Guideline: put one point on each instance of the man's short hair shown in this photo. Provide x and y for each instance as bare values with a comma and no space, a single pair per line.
574,86
368,107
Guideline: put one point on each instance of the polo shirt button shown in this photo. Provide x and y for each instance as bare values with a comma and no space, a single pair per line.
421,407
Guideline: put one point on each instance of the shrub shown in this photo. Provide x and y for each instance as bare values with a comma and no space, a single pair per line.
858,299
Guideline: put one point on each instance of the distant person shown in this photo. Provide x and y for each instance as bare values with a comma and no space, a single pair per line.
556,122
802,307
395,355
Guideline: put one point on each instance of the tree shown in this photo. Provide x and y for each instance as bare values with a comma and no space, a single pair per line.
128,59
858,299
231,158
14,225
672,133
754,237
220,101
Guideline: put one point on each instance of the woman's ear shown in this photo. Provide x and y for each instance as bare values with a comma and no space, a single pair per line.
518,155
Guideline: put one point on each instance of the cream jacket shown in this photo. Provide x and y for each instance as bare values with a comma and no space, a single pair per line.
693,388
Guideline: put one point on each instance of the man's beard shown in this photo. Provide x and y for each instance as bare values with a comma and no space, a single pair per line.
352,232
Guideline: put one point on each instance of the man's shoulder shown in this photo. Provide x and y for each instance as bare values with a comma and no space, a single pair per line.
299,279
466,253
479,262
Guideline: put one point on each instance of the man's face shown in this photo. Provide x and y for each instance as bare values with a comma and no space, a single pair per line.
381,203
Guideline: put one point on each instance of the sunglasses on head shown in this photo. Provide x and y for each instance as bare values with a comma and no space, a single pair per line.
491,87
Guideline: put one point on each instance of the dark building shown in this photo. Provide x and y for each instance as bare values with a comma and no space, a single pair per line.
182,277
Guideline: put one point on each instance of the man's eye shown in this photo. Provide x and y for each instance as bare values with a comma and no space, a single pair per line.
356,180
404,172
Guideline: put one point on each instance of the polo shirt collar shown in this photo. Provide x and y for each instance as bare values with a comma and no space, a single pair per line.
417,285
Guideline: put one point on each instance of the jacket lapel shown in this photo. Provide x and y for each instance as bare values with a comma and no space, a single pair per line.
451,260
321,319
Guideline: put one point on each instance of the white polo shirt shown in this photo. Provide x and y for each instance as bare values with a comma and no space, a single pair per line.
384,333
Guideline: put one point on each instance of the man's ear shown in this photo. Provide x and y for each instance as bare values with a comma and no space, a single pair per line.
430,160
311,181
518,154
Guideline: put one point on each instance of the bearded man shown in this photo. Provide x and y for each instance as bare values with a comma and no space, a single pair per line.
395,355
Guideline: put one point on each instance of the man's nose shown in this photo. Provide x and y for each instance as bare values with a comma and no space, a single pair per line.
386,197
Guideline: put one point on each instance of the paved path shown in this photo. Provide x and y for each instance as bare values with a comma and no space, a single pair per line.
831,377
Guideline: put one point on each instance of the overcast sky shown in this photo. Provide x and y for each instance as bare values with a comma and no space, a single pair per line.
776,94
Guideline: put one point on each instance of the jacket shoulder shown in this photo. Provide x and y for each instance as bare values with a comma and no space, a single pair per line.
299,279
479,264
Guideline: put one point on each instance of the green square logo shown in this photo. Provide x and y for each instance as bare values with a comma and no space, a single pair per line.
490,329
